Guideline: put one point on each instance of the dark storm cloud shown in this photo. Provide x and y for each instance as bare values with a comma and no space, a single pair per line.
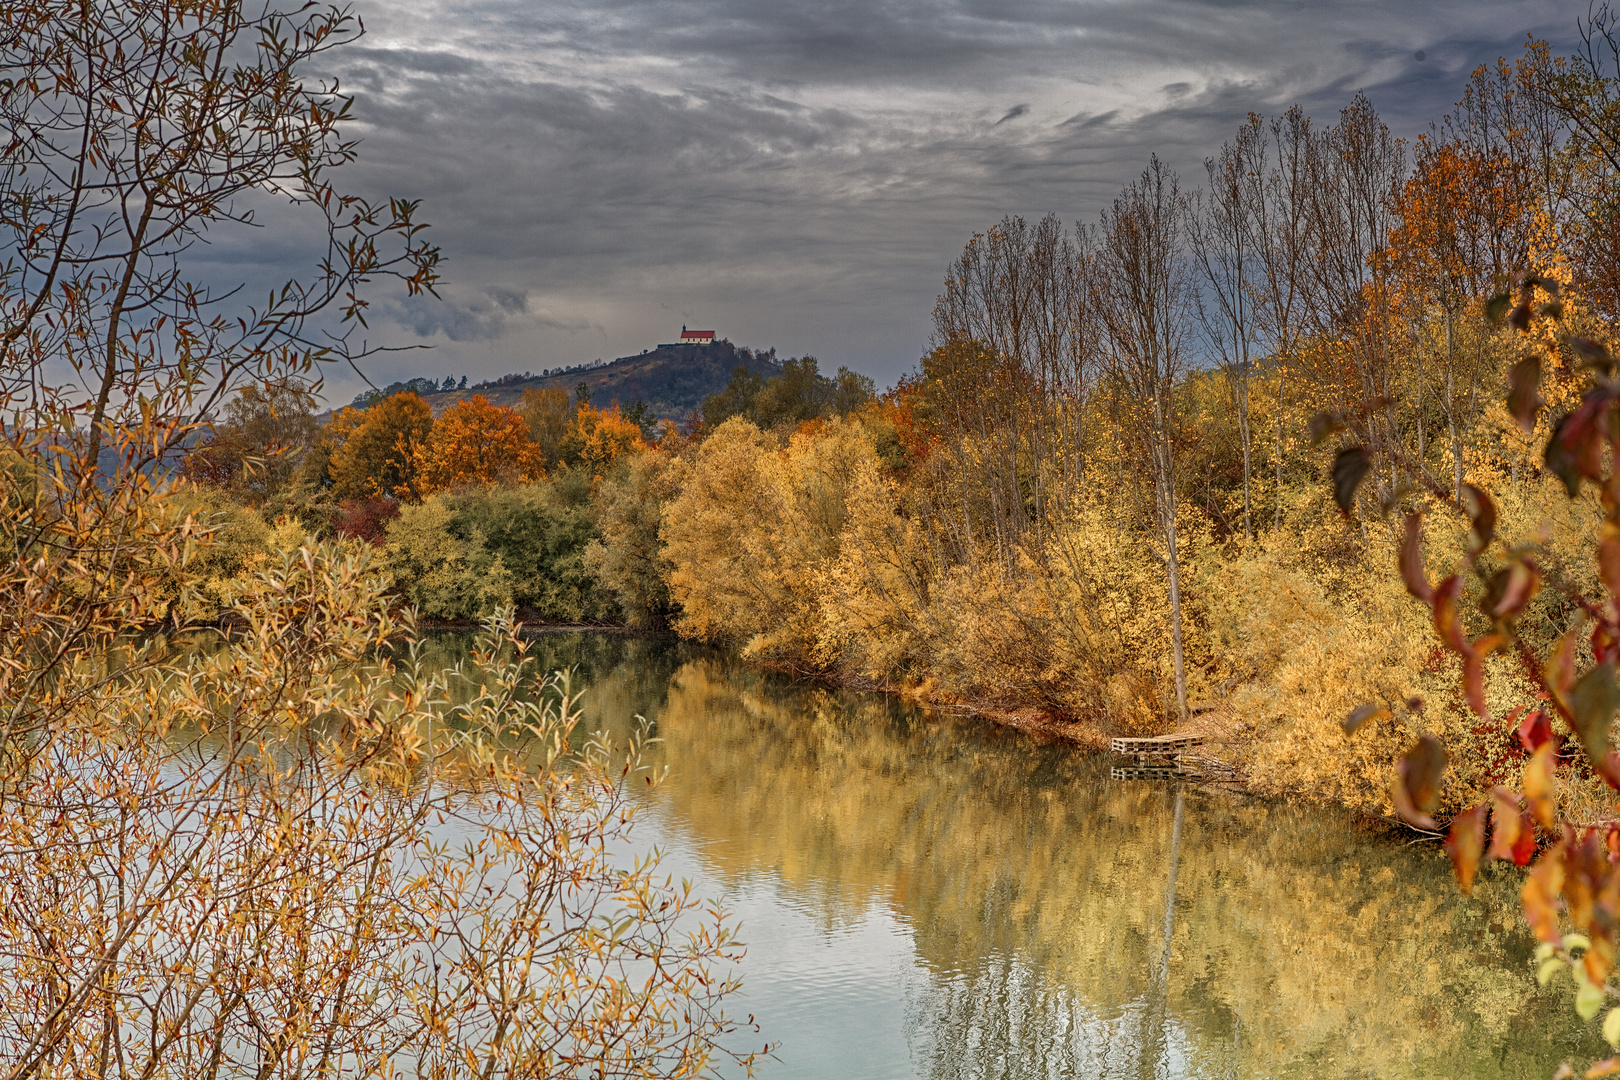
798,172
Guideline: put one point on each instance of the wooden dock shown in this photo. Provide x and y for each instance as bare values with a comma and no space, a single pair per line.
1151,772
1157,746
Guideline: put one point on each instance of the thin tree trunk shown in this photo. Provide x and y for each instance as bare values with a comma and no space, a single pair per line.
1451,413
1423,422
1243,434
1164,483
1276,521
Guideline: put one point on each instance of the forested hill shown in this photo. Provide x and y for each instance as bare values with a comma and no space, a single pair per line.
672,379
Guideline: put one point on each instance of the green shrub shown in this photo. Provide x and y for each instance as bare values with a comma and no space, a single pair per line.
628,560
445,575
460,555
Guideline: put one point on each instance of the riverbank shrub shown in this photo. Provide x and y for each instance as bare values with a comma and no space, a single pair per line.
753,586
270,807
459,556
627,559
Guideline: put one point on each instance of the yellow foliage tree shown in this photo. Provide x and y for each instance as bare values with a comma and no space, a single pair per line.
762,587
477,443
550,415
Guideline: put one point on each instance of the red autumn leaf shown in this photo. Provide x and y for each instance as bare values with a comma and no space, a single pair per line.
1507,822
1524,847
1513,588
1416,791
1592,704
1412,572
1474,671
1481,515
1592,353
1361,714
1540,895
1605,645
1446,622
1350,467
1464,844
1524,402
1534,730
1609,565
1576,447
1559,670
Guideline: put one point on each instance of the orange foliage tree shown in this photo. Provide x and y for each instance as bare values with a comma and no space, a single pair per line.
375,452
903,407
475,442
599,437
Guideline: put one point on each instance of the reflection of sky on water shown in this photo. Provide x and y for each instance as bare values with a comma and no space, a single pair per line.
844,995
826,996
926,897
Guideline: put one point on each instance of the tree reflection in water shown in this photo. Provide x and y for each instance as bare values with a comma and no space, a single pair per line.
1063,925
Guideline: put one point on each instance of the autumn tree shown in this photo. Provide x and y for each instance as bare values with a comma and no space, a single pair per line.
549,412
597,438
1223,234
1283,243
1354,170
1017,295
258,447
378,451
219,861
476,443
1583,93
131,131
1145,300
798,394
1472,212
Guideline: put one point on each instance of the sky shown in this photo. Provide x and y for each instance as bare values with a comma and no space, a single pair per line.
798,174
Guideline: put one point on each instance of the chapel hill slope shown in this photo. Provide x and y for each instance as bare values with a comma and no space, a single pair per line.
673,380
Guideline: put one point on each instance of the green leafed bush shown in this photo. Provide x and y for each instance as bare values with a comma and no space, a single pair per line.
461,555
445,575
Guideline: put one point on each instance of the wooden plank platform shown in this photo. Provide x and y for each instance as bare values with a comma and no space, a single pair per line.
1157,745
1150,772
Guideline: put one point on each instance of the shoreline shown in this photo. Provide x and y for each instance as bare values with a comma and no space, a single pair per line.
1214,774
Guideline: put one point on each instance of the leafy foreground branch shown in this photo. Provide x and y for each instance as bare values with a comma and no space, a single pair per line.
293,856
1575,883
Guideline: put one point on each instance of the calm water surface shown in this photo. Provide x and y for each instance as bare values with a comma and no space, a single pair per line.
925,896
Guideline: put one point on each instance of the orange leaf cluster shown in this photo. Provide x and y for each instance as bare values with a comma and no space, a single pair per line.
477,443
599,437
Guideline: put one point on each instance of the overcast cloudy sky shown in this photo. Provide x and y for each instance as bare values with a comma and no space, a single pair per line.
798,173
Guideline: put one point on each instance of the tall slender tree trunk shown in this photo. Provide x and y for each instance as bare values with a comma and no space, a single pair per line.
1422,417
1164,483
1248,442
1451,413
1276,520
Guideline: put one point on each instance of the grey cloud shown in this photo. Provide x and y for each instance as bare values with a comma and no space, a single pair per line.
420,61
511,301
799,171
474,318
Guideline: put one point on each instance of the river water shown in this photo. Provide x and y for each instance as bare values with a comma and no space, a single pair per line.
925,895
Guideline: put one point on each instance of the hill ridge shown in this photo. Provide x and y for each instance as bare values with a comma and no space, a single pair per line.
672,380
